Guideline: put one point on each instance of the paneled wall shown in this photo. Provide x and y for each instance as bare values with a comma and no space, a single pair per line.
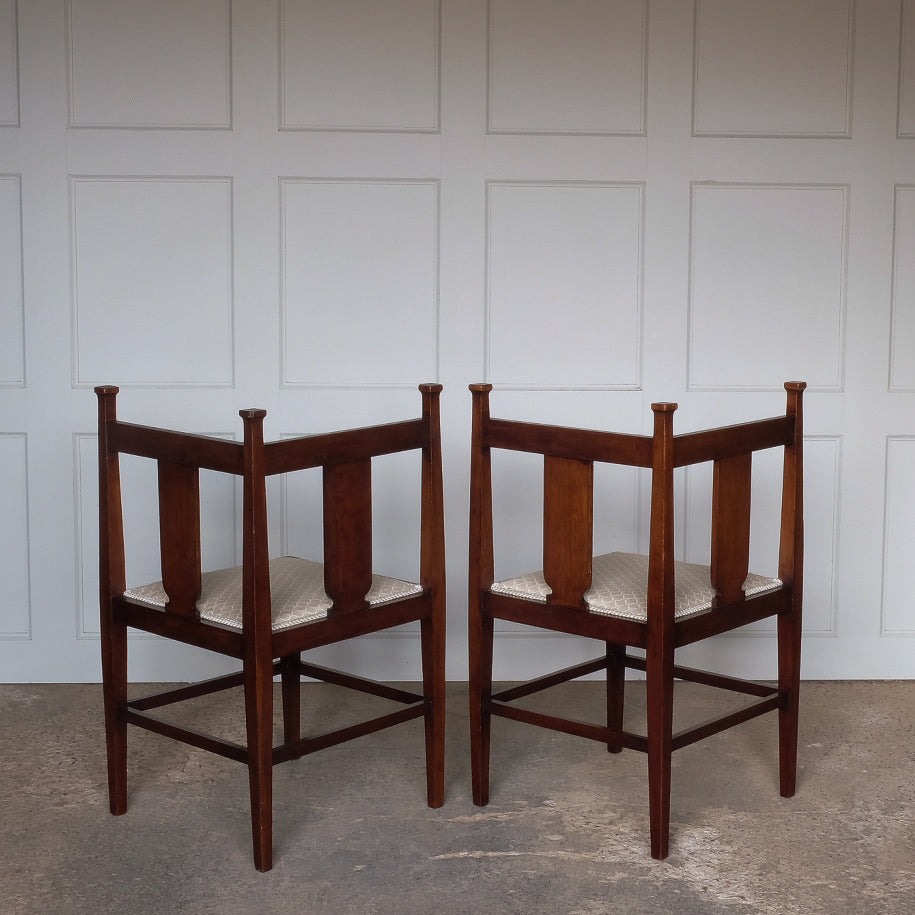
312,207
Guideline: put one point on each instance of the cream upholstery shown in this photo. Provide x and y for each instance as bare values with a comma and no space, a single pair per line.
296,592
619,585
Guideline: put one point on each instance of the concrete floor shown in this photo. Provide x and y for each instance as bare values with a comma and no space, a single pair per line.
566,830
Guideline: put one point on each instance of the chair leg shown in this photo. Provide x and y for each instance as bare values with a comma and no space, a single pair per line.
660,702
789,683
259,725
433,660
616,684
481,648
291,681
114,689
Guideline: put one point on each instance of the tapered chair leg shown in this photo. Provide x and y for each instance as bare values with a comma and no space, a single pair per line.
259,723
616,684
481,648
114,688
660,696
789,682
433,661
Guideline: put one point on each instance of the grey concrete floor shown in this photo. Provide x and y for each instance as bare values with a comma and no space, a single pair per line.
566,830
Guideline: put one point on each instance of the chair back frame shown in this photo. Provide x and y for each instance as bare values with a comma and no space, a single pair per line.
569,456
346,462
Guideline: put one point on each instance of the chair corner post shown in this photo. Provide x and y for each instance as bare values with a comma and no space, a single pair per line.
432,536
256,620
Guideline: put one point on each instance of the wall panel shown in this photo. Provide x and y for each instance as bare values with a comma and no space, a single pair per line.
15,598
9,64
564,272
898,611
906,118
12,303
313,206
152,280
902,330
360,281
360,65
768,276
774,68
161,65
571,68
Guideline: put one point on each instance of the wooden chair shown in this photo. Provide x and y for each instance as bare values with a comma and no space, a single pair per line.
649,602
267,611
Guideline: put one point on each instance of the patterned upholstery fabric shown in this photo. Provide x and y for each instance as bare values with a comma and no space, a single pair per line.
296,592
620,586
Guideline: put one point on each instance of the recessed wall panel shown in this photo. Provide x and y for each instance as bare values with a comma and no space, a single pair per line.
360,282
9,65
152,273
902,332
767,286
564,284
219,509
898,609
139,64
572,67
779,68
12,359
360,65
15,612
906,125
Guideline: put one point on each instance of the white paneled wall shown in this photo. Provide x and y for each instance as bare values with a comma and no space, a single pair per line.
312,207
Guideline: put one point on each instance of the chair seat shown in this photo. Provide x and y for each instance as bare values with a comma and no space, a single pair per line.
296,592
619,587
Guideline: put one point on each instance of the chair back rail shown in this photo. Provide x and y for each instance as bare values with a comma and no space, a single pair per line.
346,459
200,451
569,455
729,441
562,441
308,451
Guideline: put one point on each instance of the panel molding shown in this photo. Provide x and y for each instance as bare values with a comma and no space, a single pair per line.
79,381
633,384
886,630
841,133
899,260
24,632
905,96
637,129
15,244
837,383
431,126
434,317
10,109
221,122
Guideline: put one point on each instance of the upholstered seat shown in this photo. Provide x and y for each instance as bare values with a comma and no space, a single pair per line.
619,587
297,593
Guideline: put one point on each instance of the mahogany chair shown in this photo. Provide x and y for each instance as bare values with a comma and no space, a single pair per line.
649,602
267,611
